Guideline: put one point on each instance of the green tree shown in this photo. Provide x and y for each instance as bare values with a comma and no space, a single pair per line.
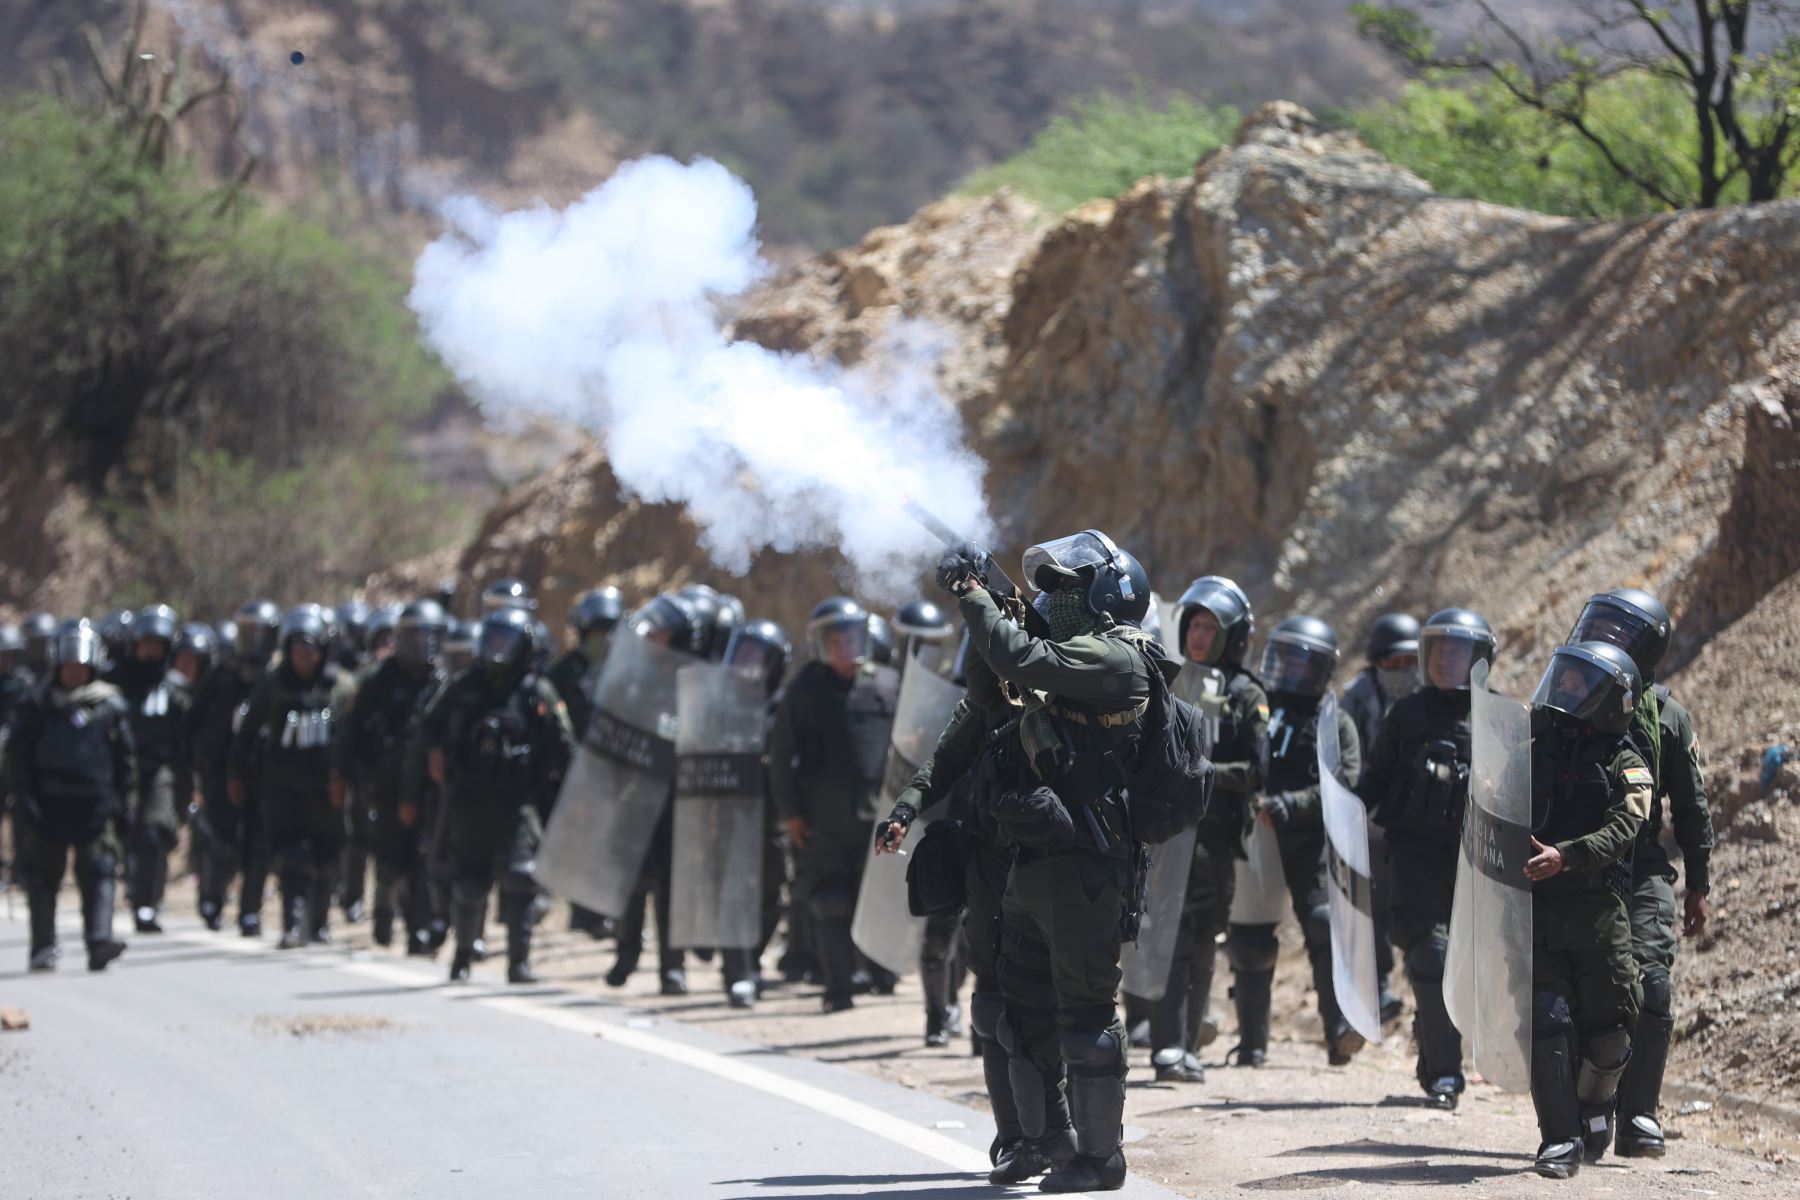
1731,66
1105,144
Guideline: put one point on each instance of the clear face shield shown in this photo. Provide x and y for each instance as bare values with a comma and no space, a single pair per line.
841,645
1574,686
1048,566
417,645
501,646
255,641
1447,655
753,660
1297,668
1606,620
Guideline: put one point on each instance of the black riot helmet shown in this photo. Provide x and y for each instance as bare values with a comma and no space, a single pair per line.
881,640
1391,635
384,625
1451,643
670,619
350,627
922,623
598,610
39,632
78,641
459,646
1230,607
760,649
419,633
731,615
507,593
256,622
12,648
227,631
1591,683
837,618
200,641
115,631
705,603
157,621
1300,657
503,645
306,623
1116,583
1631,619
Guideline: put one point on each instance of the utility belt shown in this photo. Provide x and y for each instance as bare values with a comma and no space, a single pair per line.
1105,720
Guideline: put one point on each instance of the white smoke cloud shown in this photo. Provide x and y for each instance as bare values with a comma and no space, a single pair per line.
605,315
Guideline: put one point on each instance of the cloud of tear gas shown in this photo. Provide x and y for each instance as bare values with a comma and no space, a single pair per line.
605,314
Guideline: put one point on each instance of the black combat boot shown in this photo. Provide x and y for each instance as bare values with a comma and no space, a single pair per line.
1253,992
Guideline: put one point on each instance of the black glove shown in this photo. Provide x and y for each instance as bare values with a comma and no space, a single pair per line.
1280,808
954,574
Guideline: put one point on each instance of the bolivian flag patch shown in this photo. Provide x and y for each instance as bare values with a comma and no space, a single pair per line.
1262,710
1637,776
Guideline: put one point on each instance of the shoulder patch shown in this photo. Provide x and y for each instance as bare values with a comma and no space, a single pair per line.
1262,710
1637,776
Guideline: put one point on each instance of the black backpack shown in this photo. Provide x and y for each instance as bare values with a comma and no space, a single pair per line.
1168,778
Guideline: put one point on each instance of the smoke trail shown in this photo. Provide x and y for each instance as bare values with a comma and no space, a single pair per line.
605,315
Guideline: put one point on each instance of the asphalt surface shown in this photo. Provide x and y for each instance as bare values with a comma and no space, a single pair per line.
203,1064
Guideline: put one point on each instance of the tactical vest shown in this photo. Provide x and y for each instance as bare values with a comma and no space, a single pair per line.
301,724
869,708
72,771
1433,788
493,750
1570,794
1293,747
393,698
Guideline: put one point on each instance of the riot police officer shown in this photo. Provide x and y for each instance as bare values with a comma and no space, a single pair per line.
1068,900
71,768
39,633
159,703
1591,793
593,618
284,745
1214,624
1636,621
1298,662
498,742
1416,784
827,752
231,833
370,754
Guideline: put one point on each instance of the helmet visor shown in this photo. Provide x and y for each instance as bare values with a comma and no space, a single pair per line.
1049,564
1606,620
417,645
1297,668
840,643
80,646
1574,686
1447,654
501,645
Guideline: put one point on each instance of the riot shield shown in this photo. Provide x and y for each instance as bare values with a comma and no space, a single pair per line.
1261,895
1146,961
1487,969
619,781
883,928
1353,974
715,888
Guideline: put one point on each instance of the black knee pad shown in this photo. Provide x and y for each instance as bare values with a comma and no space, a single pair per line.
1656,992
832,900
1252,948
1315,927
1425,960
1093,1051
517,882
1007,1033
1549,1014
987,1013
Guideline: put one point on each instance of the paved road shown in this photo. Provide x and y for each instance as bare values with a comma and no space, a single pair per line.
204,1065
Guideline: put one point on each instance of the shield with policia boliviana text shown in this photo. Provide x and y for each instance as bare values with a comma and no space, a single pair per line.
715,889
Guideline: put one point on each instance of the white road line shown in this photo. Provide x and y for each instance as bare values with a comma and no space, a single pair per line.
839,1108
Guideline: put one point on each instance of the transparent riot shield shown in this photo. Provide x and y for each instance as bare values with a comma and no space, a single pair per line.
715,888
1487,972
619,781
1353,974
883,928
1146,961
1261,896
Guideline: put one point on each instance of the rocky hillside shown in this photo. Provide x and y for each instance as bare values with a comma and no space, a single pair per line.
842,115
1302,369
